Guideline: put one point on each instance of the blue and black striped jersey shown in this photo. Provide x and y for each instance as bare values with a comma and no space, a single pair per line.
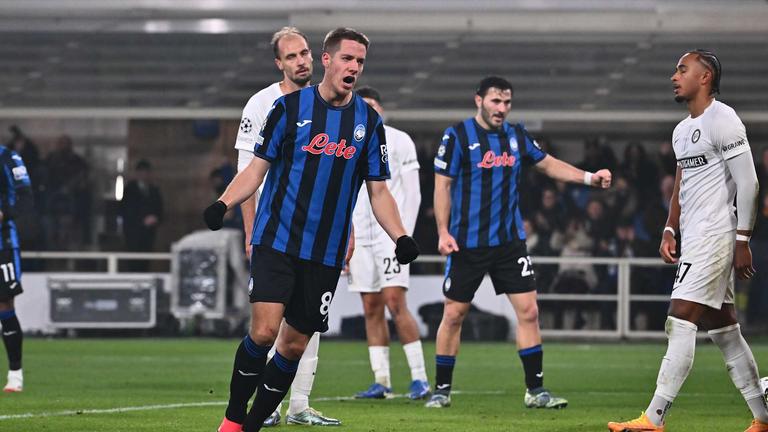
14,182
485,166
319,155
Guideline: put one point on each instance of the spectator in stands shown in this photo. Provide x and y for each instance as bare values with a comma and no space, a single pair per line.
621,200
67,207
549,218
599,227
666,164
762,168
597,155
653,216
142,211
758,296
573,278
639,170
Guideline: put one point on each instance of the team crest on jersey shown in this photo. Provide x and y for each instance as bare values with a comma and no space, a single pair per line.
246,126
696,135
359,132
513,144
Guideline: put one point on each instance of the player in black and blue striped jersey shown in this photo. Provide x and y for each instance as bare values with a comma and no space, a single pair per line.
319,144
477,171
15,196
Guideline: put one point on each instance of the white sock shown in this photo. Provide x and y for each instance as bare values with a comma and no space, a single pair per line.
379,356
305,377
415,356
741,367
674,368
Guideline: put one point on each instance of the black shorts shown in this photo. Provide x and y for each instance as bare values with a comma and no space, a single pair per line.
306,288
10,274
509,266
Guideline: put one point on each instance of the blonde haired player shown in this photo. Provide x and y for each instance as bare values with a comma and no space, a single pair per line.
714,166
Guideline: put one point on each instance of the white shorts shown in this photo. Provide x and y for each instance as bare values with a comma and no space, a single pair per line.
705,270
374,267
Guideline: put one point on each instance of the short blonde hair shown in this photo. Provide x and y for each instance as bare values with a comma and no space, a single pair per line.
283,32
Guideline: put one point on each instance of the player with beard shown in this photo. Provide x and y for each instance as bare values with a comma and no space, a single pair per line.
293,58
480,229
714,167
319,144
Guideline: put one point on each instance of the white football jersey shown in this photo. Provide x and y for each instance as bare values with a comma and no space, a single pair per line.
707,190
402,158
254,115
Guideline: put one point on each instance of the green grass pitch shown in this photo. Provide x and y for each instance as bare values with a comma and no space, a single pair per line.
135,385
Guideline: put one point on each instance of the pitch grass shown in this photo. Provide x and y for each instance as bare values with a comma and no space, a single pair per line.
602,381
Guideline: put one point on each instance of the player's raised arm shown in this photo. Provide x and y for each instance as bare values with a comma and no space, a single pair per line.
562,171
668,247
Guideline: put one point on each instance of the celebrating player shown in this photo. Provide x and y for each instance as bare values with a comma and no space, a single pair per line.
294,58
480,228
319,144
15,194
375,273
714,166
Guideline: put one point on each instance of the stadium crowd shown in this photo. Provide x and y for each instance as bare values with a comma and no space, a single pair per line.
560,220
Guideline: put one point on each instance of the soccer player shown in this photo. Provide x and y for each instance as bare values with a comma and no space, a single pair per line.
375,273
714,166
15,194
480,229
293,58
319,144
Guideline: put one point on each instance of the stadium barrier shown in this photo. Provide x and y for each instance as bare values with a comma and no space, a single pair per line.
617,303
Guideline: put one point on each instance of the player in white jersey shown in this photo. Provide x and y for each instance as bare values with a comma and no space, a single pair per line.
375,273
714,167
294,59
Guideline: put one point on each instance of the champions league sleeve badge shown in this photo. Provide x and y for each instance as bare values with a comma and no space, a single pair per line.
245,125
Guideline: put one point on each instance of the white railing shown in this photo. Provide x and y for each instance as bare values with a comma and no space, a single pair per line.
623,297
111,258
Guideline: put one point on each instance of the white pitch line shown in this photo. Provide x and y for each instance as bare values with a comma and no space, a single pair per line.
109,410
189,405
220,403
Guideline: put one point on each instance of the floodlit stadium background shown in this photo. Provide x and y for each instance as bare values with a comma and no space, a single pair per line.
166,81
